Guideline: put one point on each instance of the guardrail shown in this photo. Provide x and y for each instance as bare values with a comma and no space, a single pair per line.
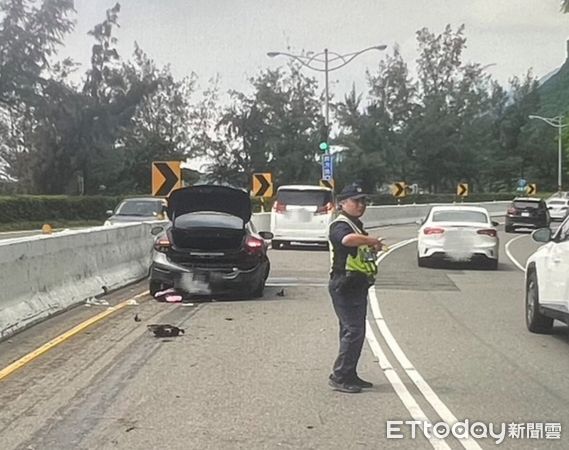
46,274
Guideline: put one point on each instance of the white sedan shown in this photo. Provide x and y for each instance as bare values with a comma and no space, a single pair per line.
458,233
558,208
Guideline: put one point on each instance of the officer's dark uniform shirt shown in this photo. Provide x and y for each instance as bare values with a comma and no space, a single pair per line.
338,231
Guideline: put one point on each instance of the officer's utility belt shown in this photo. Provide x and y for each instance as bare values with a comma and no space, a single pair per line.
349,280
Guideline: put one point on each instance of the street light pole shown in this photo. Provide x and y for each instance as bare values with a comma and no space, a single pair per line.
327,107
559,157
314,62
556,122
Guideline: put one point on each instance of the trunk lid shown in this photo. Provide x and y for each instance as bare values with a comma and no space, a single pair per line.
222,199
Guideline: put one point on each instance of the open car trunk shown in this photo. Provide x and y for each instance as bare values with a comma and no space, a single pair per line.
207,239
210,240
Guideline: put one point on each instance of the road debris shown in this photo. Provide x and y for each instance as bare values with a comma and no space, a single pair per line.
165,330
93,301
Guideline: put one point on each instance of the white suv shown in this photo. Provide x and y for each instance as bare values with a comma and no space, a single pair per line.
547,279
301,215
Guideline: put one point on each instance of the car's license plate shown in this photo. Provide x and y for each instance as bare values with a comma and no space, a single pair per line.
525,214
194,283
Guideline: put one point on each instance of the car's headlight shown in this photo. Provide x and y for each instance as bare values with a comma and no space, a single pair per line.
107,223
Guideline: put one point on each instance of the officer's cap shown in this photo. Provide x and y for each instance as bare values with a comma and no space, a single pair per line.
353,190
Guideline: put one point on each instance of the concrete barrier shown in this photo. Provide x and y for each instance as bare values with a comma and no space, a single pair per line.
43,275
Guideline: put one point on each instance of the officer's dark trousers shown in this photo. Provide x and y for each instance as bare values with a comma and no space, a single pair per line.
350,304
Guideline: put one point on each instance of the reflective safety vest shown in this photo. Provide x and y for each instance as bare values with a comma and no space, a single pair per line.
364,262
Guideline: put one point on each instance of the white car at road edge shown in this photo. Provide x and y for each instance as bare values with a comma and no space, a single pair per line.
547,280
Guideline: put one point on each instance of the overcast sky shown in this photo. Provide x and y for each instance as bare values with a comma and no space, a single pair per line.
231,37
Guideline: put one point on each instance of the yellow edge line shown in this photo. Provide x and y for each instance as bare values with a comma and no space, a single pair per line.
63,337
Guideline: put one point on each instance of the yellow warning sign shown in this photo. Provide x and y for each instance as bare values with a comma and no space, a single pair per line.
166,176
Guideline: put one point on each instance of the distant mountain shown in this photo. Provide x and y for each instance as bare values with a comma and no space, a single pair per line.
554,92
546,77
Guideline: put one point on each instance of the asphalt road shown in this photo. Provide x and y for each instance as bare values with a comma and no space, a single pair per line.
445,343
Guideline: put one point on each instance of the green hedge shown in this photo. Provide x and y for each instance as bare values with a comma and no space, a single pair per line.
31,208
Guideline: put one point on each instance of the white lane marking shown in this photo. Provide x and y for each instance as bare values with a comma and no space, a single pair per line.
440,408
514,260
400,389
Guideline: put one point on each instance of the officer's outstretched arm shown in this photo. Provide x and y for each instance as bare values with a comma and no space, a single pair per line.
355,240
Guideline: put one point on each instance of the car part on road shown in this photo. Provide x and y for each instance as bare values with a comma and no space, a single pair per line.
165,330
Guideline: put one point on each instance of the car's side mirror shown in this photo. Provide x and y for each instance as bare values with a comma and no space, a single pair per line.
267,235
495,224
542,235
156,231
109,212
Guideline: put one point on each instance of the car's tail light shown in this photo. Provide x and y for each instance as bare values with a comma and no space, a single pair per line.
511,210
433,230
254,246
488,232
279,207
162,244
326,209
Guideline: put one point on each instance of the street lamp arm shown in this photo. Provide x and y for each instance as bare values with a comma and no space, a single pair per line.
304,60
553,121
342,59
556,122
349,57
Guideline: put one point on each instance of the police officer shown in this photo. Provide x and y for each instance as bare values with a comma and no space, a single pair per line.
353,271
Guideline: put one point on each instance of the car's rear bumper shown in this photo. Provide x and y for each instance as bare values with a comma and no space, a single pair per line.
526,222
473,257
557,215
303,236
206,279
438,250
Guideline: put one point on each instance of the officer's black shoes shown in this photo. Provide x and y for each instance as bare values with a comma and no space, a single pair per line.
348,388
362,383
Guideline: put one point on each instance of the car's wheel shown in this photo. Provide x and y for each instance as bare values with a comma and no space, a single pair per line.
276,245
154,287
509,229
259,290
535,320
492,264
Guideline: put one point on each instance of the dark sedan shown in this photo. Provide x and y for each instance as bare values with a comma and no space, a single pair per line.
527,213
211,246
137,210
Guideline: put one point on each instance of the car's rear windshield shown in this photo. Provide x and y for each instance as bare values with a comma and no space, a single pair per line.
208,219
139,208
558,202
304,197
520,204
459,216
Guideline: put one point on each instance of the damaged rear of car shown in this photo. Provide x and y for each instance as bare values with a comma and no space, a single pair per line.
211,246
